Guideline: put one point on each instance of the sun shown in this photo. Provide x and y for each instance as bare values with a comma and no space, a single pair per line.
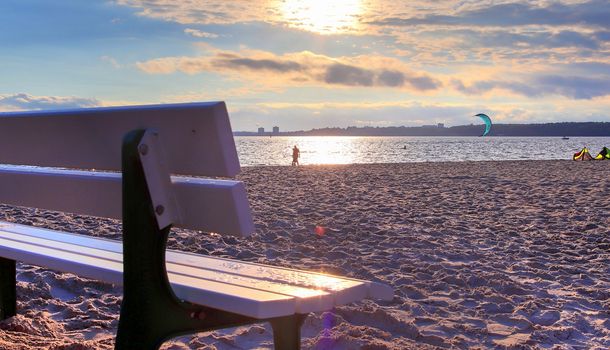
322,16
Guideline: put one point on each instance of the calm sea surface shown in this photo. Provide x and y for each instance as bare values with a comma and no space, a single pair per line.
277,150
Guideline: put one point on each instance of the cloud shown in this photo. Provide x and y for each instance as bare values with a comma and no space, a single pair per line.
589,13
519,40
575,87
528,50
522,30
264,64
22,101
113,62
343,74
386,12
426,32
587,68
391,78
603,36
200,34
197,11
299,68
484,86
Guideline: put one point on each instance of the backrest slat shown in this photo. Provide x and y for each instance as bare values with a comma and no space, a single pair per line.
204,204
196,137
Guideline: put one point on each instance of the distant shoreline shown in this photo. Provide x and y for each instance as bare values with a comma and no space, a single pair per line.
567,129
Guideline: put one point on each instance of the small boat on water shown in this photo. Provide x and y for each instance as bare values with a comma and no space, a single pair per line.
565,138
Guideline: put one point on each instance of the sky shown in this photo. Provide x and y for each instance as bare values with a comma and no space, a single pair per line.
310,64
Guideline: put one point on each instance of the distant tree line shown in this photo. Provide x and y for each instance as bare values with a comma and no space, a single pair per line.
548,129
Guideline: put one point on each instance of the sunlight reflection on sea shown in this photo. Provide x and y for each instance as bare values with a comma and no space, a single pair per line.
277,150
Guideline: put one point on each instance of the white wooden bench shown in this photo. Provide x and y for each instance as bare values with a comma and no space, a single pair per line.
116,163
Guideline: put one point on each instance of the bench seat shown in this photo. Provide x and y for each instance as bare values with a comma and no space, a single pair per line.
250,289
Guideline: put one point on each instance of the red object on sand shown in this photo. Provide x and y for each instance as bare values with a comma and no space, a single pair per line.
320,231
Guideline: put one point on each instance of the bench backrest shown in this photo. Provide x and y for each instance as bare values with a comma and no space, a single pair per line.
196,138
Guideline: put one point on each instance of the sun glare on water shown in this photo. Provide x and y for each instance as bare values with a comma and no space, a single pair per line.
322,16
327,150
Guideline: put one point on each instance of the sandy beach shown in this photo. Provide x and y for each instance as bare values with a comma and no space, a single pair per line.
481,255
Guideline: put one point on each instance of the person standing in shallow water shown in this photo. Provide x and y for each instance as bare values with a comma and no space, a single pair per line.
296,153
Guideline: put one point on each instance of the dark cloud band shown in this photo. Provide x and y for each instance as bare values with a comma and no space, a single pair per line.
591,13
580,88
333,73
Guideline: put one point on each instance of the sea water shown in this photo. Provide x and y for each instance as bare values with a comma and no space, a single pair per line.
277,150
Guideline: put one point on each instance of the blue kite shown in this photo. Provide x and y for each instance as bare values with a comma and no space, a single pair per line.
487,121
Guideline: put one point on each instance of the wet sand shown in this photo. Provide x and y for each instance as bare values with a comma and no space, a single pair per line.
512,255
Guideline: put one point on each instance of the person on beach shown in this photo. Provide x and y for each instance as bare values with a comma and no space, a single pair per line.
296,153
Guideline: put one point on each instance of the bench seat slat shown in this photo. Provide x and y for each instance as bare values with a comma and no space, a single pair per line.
93,267
205,204
242,300
345,290
215,275
307,299
229,266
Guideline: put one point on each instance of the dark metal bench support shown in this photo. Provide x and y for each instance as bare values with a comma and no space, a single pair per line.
8,285
287,331
150,311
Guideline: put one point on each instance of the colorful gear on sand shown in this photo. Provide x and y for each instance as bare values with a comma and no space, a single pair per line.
603,154
583,155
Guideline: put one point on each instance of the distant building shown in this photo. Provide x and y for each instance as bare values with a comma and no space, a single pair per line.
261,130
441,125
276,129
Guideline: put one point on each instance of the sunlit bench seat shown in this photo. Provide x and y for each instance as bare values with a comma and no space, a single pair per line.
166,292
